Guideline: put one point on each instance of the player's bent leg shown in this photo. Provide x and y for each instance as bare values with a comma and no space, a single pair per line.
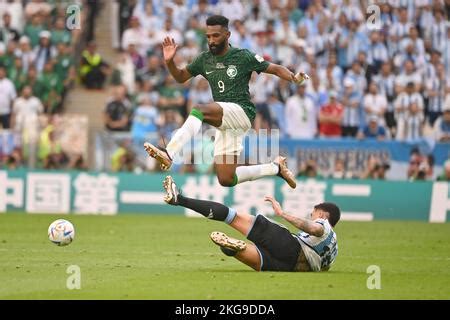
254,172
227,148
210,113
244,252
228,252
276,168
279,249
228,145
250,256
230,174
243,222
209,209
225,167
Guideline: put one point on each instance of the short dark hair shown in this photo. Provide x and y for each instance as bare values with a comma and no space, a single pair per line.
435,51
332,210
217,20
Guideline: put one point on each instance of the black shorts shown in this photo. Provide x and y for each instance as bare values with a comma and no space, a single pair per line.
278,248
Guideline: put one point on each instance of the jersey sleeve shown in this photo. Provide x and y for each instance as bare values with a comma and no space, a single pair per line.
320,221
196,66
255,62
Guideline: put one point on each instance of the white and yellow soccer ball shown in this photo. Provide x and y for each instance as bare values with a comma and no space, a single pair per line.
61,232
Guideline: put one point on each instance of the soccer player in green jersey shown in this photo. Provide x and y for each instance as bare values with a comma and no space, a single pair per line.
228,71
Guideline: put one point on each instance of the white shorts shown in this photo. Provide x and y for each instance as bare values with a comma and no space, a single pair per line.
229,136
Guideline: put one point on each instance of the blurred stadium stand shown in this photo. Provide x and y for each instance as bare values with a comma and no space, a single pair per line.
406,59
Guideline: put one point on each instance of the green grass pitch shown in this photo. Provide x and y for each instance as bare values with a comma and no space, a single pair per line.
172,257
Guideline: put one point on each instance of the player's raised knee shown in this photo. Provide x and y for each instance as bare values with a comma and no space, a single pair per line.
227,181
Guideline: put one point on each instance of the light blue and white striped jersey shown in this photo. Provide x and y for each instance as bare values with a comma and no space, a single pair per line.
399,30
319,251
410,6
413,127
377,53
386,86
436,103
352,115
438,33
404,100
446,55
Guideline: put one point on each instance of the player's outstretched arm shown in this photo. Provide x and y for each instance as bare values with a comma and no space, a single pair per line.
284,73
169,50
308,226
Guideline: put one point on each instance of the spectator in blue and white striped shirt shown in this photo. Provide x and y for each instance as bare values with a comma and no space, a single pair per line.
435,91
331,75
408,75
413,124
408,5
358,41
357,74
386,18
402,105
398,31
446,54
426,18
378,52
417,42
351,100
429,70
386,86
442,125
342,40
438,31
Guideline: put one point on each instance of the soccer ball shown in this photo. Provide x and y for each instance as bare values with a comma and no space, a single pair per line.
61,232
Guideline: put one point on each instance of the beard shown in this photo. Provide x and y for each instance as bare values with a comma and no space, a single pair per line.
218,48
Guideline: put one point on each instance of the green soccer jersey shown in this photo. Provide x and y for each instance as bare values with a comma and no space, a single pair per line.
229,75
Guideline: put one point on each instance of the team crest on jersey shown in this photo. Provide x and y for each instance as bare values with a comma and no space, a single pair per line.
259,58
231,71
220,65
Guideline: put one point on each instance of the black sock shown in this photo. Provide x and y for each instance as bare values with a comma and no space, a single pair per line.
229,252
209,209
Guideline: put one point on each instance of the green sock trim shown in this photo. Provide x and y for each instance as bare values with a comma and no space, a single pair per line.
235,180
198,114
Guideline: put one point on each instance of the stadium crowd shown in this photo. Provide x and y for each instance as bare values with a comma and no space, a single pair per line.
37,68
372,77
383,77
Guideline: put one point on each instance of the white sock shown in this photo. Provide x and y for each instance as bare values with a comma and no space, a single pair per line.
184,134
250,173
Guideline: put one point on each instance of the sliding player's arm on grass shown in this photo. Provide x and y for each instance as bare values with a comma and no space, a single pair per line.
308,226
284,73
